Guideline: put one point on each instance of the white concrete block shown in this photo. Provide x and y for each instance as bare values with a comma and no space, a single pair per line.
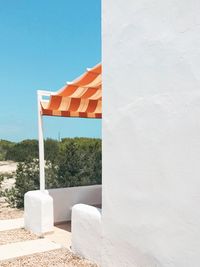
38,214
20,249
11,224
86,232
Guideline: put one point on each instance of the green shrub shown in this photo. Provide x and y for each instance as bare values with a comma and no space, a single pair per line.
79,162
2,177
1,180
4,147
72,162
27,179
10,196
25,150
29,150
51,150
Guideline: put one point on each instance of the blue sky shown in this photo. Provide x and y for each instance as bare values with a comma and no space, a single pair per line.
43,44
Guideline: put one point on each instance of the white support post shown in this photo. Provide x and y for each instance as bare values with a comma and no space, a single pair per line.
41,144
38,204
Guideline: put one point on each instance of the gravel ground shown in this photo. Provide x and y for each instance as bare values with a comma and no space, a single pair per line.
55,258
9,213
17,235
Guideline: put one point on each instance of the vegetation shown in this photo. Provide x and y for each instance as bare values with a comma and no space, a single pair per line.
1,180
71,162
27,178
28,150
25,150
79,162
5,146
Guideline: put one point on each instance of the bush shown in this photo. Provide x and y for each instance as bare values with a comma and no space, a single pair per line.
29,150
80,162
2,177
27,179
4,147
1,180
25,150
72,162
51,150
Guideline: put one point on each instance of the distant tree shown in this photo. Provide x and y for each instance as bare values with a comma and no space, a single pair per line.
71,162
29,150
69,165
23,151
51,150
80,162
4,147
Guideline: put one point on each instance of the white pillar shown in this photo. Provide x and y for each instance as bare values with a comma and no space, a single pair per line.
38,205
41,144
38,212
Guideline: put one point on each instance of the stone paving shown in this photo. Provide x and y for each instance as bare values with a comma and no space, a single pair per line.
18,247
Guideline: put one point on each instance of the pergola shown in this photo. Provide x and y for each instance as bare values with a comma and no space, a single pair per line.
81,98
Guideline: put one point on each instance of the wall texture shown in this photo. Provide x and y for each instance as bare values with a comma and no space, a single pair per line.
65,198
151,133
86,232
38,212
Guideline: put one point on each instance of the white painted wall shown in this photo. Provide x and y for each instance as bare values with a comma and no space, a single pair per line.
87,232
65,198
38,212
151,133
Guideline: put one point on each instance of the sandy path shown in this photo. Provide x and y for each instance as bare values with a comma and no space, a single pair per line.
8,167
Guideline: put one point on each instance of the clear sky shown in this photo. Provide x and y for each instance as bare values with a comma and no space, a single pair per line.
43,44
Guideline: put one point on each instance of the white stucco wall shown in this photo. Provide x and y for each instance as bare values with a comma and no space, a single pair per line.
38,212
65,198
87,232
151,133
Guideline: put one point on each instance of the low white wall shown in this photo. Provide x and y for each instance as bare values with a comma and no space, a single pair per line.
65,198
86,232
